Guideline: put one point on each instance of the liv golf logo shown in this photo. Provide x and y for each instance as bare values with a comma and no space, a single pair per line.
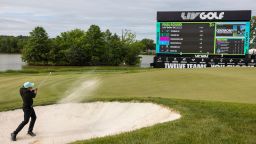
202,15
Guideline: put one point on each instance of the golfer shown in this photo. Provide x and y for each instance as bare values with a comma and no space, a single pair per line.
27,93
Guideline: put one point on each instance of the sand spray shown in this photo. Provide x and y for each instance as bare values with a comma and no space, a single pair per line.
81,90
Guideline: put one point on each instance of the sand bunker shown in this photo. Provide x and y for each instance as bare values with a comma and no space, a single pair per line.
64,123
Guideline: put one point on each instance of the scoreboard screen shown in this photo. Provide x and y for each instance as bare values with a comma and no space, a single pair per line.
227,38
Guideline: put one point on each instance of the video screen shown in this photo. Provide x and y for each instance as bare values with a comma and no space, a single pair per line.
230,30
203,37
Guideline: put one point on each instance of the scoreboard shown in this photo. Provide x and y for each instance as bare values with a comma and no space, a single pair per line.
203,37
211,33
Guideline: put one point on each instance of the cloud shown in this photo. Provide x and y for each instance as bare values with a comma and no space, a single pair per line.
19,17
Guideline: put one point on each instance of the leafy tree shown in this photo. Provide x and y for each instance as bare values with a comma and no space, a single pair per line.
21,42
69,49
253,32
131,48
37,49
128,37
95,43
11,44
118,50
108,48
78,47
132,57
148,44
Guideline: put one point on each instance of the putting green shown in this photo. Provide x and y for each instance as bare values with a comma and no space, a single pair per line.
213,84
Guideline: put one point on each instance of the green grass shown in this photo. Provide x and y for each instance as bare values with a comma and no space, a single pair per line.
201,123
43,69
228,84
218,105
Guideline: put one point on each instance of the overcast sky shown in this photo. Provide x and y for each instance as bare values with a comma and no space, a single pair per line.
19,17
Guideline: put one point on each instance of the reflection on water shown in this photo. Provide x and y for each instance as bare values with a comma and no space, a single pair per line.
146,60
10,62
14,62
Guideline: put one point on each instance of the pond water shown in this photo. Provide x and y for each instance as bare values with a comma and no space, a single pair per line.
14,62
10,62
146,60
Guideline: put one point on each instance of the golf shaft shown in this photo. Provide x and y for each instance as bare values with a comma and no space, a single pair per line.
43,81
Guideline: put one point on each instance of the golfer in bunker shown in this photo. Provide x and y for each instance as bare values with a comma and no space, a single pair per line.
27,93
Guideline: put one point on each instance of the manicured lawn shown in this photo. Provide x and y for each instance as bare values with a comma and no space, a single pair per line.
228,84
218,105
201,123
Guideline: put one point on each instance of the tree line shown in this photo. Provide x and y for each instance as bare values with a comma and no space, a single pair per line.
253,33
77,47
12,44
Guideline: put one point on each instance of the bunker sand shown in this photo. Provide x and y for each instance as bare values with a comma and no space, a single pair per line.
65,123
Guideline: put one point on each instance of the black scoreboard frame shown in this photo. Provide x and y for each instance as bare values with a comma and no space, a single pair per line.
183,60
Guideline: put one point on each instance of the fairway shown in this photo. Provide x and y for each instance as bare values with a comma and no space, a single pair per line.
217,104
214,84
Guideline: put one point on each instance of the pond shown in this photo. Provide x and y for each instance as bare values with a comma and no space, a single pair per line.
14,62
11,62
